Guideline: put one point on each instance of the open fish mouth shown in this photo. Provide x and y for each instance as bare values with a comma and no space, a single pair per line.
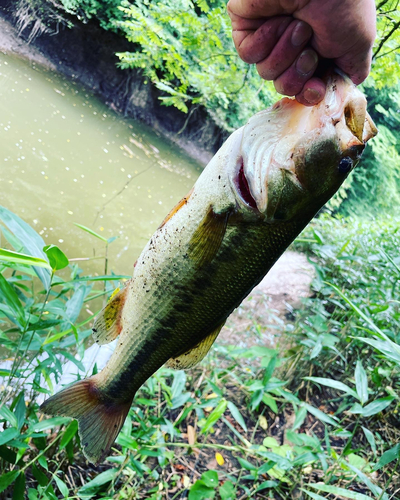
243,188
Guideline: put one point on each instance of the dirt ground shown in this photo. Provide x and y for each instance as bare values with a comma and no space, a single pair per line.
11,43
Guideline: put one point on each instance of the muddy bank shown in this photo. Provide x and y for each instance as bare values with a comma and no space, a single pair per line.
86,53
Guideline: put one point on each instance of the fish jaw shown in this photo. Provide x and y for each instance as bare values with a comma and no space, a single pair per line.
292,153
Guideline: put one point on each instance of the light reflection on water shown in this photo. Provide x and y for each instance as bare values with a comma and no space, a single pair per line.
65,157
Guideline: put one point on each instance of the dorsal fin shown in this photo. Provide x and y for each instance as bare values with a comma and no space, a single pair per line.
176,208
207,238
194,355
108,324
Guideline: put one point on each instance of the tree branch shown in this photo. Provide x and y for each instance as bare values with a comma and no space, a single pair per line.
386,38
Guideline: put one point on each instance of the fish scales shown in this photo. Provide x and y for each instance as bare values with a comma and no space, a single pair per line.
258,192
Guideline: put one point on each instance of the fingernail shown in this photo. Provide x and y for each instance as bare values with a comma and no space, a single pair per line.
301,33
312,96
307,61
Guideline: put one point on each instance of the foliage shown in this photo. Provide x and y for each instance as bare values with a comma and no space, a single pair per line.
185,49
385,69
340,379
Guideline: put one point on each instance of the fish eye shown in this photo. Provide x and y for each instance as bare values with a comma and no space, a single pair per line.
345,165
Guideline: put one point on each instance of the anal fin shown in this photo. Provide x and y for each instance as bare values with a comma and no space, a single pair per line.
108,324
194,355
207,238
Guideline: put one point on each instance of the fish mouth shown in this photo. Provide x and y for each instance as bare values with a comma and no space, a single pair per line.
243,189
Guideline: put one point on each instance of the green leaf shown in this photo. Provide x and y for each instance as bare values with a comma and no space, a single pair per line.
237,415
61,486
21,258
210,478
339,491
245,464
108,277
10,297
69,433
301,414
9,415
19,487
31,242
361,383
373,408
7,478
90,231
388,456
370,438
335,384
8,434
200,491
266,484
58,260
315,496
227,491
94,484
49,423
321,415
215,415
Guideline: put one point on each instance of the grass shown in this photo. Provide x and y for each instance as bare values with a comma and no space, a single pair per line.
316,419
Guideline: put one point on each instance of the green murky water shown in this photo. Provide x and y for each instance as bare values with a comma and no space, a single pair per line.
65,157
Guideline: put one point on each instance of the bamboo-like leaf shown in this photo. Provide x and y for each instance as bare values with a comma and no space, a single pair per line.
31,242
21,258
361,383
237,415
353,495
10,297
335,384
373,408
388,456
215,415
370,438
7,478
90,231
321,415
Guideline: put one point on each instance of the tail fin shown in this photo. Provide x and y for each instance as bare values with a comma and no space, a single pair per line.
99,419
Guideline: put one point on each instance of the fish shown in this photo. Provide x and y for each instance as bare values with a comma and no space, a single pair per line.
260,190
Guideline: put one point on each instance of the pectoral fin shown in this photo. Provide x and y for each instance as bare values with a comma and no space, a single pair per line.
108,324
194,355
208,237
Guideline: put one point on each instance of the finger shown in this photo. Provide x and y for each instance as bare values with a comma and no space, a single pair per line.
286,50
356,66
253,46
292,81
312,93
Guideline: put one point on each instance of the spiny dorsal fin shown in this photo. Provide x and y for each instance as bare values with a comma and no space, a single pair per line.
208,237
108,324
176,208
194,355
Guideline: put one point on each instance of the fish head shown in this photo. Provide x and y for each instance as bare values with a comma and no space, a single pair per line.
293,158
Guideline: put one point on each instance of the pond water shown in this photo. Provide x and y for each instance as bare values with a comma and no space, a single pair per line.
66,158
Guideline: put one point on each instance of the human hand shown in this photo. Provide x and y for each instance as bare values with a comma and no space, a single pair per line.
287,38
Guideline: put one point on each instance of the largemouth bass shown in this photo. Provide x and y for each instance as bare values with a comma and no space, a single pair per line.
255,196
